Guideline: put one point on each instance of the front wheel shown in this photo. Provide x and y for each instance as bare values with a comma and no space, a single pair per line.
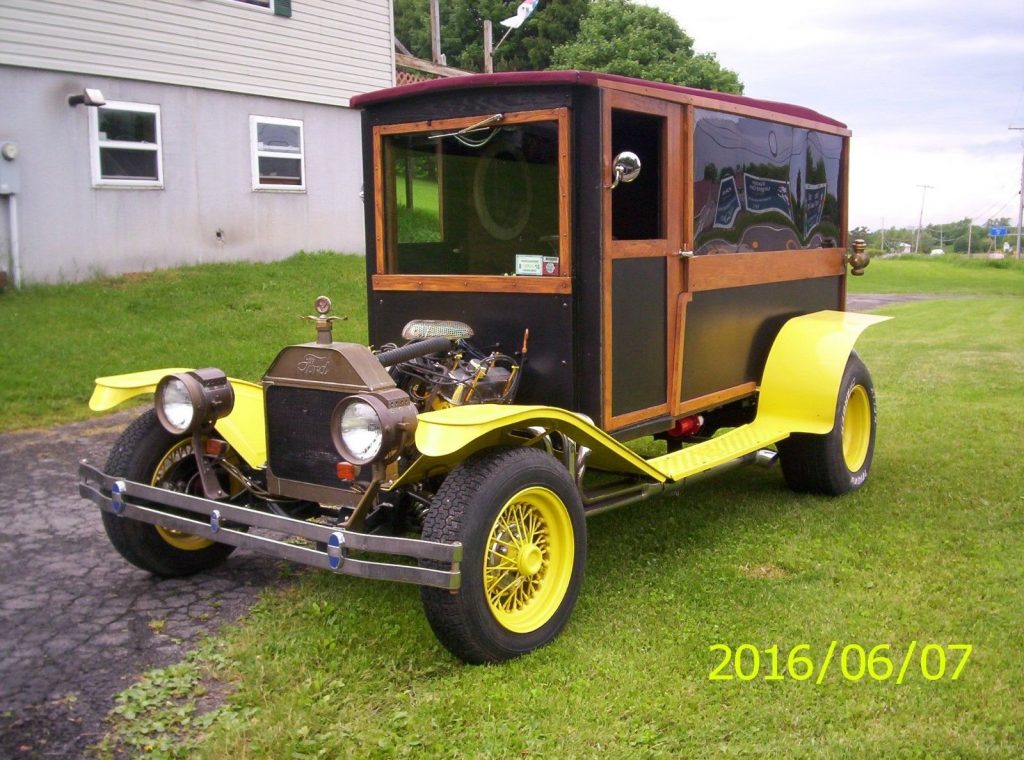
146,453
520,520
838,461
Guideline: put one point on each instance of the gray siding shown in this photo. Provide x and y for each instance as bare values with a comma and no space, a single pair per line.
70,230
326,52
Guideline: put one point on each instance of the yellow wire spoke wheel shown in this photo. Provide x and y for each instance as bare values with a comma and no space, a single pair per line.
146,453
856,428
528,560
519,517
181,451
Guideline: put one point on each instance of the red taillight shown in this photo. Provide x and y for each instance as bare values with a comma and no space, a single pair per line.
346,471
686,426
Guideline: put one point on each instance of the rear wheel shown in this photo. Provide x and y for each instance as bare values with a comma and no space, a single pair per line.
838,461
146,453
520,520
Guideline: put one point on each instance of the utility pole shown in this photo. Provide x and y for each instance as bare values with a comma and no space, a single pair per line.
435,33
1020,206
920,219
488,47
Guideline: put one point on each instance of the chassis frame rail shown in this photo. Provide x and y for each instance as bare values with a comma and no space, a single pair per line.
227,524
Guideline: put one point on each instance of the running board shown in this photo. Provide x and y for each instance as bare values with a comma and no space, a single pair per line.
718,451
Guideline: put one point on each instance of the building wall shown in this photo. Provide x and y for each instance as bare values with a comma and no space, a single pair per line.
325,52
70,230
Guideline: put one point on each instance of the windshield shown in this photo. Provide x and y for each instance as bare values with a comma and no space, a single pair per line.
481,198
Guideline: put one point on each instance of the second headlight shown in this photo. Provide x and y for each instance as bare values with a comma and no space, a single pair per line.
368,427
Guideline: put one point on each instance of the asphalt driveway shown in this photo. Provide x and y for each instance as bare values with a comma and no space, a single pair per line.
77,623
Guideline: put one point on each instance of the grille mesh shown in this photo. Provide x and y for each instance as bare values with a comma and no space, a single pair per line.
299,444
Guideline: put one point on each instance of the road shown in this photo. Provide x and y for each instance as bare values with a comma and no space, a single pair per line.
77,623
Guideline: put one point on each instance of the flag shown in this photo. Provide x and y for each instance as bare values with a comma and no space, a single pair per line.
523,12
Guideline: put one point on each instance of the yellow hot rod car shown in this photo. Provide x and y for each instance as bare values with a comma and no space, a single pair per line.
557,263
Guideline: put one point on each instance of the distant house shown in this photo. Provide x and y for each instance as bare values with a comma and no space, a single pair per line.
225,134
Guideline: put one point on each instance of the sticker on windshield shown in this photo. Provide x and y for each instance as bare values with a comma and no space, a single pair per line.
532,265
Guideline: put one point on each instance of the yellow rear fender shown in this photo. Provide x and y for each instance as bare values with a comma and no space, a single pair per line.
805,367
447,437
243,428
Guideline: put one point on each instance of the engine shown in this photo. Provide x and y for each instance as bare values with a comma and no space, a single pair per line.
459,375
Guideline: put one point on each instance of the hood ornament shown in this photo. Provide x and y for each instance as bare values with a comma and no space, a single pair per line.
324,323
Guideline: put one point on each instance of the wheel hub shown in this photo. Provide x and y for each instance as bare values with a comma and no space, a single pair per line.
530,560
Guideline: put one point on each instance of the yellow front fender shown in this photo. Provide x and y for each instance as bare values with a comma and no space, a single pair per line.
243,428
447,437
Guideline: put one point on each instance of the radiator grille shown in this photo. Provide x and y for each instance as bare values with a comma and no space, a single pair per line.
299,444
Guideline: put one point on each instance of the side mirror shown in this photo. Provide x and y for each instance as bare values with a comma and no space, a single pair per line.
625,169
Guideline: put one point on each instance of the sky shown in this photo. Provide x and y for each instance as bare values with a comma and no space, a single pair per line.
928,87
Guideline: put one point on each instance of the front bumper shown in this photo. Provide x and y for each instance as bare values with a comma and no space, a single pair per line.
227,524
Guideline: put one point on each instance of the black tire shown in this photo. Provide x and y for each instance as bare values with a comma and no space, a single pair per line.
839,461
144,447
538,584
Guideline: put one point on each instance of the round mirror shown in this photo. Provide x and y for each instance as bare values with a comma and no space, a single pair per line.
625,169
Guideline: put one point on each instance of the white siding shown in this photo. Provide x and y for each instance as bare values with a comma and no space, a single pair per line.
326,52
70,230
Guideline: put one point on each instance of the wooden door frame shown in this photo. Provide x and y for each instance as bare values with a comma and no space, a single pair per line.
674,166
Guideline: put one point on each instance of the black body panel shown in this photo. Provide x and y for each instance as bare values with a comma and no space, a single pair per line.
729,332
638,335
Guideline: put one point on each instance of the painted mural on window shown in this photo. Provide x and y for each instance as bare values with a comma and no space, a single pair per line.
761,186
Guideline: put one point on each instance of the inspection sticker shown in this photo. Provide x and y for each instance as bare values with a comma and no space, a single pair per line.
532,265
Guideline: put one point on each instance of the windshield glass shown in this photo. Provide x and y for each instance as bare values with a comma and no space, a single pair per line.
465,201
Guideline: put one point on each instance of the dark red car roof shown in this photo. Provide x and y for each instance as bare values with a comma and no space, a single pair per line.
541,78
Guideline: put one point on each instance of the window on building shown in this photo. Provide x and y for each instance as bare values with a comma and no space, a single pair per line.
278,161
125,145
277,7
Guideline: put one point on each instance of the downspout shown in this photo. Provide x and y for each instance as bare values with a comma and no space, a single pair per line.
12,219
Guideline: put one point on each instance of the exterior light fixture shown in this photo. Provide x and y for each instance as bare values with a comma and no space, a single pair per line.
89,97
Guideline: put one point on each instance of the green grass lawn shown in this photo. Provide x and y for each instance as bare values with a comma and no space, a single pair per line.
233,316
941,274
930,551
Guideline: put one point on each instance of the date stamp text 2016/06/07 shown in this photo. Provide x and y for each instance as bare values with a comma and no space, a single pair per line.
849,662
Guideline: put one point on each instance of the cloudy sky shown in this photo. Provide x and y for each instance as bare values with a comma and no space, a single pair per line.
929,88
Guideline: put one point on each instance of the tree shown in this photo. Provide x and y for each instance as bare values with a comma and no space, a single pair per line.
619,37
528,48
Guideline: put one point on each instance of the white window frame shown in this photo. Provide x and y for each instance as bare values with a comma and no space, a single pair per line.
95,144
264,8
255,154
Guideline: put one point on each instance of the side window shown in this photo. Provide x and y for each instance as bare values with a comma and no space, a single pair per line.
637,206
124,142
278,157
762,186
277,7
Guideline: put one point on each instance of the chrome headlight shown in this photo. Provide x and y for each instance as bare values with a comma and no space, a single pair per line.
371,426
187,401
360,431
